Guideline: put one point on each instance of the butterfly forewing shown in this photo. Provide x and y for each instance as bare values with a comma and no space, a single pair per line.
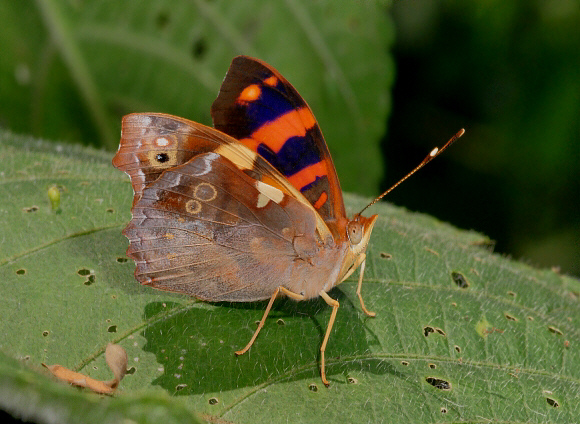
259,107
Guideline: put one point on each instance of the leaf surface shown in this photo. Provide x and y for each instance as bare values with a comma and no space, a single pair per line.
461,334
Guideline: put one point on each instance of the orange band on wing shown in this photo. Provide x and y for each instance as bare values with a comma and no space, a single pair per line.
308,175
294,123
321,200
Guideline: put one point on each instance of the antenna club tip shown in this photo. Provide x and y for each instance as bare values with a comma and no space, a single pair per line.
460,132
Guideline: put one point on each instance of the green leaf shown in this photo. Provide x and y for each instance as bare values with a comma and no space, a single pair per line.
461,334
72,69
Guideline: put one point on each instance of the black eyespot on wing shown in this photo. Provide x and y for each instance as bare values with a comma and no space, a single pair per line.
161,157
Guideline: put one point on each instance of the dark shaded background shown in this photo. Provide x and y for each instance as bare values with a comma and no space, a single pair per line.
508,72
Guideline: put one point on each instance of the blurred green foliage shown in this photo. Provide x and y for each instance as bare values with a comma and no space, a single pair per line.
509,72
71,70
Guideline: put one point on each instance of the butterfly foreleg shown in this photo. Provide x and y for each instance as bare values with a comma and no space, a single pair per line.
279,290
358,287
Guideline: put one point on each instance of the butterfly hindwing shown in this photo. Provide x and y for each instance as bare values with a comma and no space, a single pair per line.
207,229
259,107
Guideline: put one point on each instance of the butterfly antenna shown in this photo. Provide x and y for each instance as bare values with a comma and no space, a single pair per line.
434,153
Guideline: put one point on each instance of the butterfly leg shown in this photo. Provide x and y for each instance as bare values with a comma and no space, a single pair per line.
334,303
285,291
358,288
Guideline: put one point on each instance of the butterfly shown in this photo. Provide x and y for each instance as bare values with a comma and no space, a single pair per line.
249,210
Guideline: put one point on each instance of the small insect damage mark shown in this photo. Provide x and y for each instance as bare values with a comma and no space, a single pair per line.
428,330
351,380
110,210
443,410
33,208
511,293
281,322
122,260
90,280
554,330
181,387
213,401
89,274
404,363
131,370
457,349
45,333
313,387
552,402
510,317
459,280
385,255
438,383
112,329
21,271
432,366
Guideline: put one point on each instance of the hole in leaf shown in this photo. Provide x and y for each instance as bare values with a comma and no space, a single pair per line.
404,363
180,387
45,333
438,383
30,209
122,260
199,48
443,410
385,255
457,349
511,293
510,317
112,329
313,387
440,331
432,366
83,272
281,322
131,370
110,210
352,380
90,280
428,330
555,330
213,401
459,280
552,402
21,271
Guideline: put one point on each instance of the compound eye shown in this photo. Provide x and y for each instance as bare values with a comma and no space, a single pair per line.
354,229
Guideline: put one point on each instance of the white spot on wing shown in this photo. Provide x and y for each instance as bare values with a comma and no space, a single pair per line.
161,142
262,200
269,192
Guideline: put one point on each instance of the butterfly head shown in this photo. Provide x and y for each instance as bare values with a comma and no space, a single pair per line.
358,232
